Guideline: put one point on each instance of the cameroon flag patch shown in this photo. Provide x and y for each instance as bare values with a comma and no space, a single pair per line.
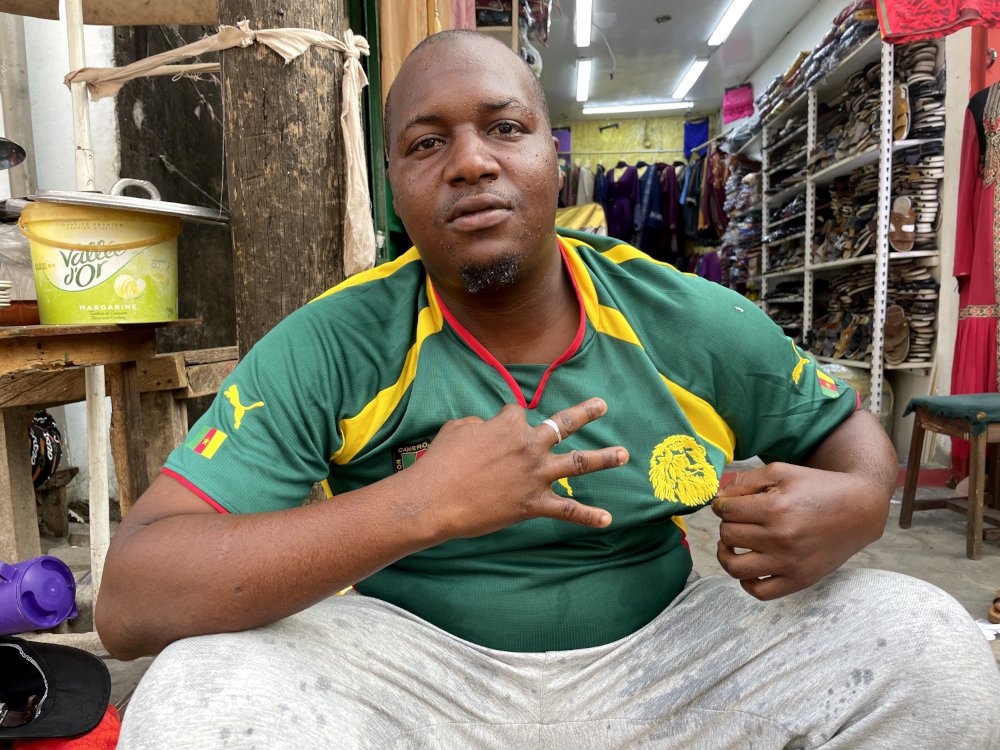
827,384
207,442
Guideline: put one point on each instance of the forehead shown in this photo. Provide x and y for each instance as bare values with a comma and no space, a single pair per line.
456,73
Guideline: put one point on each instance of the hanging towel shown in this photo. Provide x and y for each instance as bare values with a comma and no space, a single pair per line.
695,134
737,102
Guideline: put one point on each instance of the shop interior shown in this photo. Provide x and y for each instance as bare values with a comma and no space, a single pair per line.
781,148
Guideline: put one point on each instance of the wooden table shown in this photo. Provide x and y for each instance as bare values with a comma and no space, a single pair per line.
29,351
980,484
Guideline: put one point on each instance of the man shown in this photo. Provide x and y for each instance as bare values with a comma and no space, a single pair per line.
511,424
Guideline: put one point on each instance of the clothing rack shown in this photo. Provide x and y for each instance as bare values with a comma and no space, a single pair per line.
712,140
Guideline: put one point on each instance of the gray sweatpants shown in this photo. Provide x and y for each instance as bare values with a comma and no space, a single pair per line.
864,659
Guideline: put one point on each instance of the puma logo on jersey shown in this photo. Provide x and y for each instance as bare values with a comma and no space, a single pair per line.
233,394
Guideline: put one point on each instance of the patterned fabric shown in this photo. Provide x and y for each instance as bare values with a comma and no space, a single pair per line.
694,377
911,20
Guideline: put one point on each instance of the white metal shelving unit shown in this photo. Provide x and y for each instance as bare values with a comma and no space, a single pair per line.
869,51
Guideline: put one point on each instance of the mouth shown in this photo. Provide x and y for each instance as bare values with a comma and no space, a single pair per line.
478,212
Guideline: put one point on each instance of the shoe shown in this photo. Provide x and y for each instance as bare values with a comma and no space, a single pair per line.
901,112
897,336
902,229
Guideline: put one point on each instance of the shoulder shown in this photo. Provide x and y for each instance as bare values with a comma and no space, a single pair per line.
628,277
371,314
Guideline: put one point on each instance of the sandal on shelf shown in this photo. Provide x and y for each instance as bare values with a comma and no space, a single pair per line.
901,112
902,226
897,336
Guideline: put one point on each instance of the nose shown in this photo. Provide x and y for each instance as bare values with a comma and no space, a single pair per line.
470,159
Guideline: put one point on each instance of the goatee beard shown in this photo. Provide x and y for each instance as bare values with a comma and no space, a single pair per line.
500,273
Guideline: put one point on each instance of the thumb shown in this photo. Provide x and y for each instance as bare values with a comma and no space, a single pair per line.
566,509
752,482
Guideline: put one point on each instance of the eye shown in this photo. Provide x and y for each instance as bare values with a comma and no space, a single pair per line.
424,144
507,128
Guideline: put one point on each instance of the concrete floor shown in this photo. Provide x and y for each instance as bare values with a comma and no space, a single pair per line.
933,549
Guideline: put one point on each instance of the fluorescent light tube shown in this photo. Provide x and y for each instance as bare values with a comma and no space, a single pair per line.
583,79
690,77
584,20
728,22
622,108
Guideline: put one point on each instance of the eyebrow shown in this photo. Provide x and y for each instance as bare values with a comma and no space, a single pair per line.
494,106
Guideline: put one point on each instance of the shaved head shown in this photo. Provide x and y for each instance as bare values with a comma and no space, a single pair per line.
463,37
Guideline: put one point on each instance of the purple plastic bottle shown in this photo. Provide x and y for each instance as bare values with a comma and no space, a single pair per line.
36,594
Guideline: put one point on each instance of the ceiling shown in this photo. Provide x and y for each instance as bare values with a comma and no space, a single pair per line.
651,58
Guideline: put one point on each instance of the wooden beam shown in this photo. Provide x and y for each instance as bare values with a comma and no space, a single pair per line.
285,165
18,518
128,446
48,388
56,352
205,380
207,356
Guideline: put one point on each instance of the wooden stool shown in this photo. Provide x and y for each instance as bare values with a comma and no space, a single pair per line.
51,497
975,418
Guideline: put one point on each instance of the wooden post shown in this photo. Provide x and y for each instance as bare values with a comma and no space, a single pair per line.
128,446
285,164
18,518
977,480
912,471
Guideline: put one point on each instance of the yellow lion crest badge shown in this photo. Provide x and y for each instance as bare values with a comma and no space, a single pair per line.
679,470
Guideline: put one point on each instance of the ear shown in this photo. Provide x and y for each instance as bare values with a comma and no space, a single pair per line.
555,147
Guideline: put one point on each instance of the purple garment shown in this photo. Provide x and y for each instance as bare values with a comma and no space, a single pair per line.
623,197
710,267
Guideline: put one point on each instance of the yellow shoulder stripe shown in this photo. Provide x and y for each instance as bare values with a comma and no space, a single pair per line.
705,420
358,430
679,520
374,274
621,253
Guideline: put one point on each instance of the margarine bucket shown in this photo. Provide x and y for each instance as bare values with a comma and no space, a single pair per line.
102,265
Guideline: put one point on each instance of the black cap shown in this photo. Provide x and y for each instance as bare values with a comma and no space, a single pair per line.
72,688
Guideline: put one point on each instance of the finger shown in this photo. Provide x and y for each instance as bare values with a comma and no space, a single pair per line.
577,463
743,535
566,509
754,482
758,509
570,420
770,588
745,565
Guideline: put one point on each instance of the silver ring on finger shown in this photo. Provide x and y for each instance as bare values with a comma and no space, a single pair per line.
555,427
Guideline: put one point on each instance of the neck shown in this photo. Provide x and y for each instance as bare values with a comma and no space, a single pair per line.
531,321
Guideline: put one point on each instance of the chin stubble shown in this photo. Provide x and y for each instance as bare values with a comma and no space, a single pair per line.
491,277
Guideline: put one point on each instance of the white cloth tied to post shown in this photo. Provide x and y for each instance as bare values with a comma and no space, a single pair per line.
359,234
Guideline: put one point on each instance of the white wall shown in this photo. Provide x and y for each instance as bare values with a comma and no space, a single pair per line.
52,122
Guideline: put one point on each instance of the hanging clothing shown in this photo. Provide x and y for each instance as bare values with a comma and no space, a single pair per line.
463,14
977,259
695,134
669,247
709,266
910,20
585,187
623,200
601,187
649,217
402,26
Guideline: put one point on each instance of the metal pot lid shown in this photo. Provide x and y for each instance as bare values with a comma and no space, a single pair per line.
151,205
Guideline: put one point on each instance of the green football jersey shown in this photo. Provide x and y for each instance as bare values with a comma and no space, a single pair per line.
355,385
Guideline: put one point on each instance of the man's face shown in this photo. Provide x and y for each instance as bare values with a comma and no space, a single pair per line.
472,163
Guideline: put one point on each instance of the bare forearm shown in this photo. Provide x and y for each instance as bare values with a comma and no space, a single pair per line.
188,575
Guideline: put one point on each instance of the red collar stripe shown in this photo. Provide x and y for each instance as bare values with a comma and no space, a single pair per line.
493,362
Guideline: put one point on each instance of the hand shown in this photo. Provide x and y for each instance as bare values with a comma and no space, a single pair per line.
482,476
799,523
